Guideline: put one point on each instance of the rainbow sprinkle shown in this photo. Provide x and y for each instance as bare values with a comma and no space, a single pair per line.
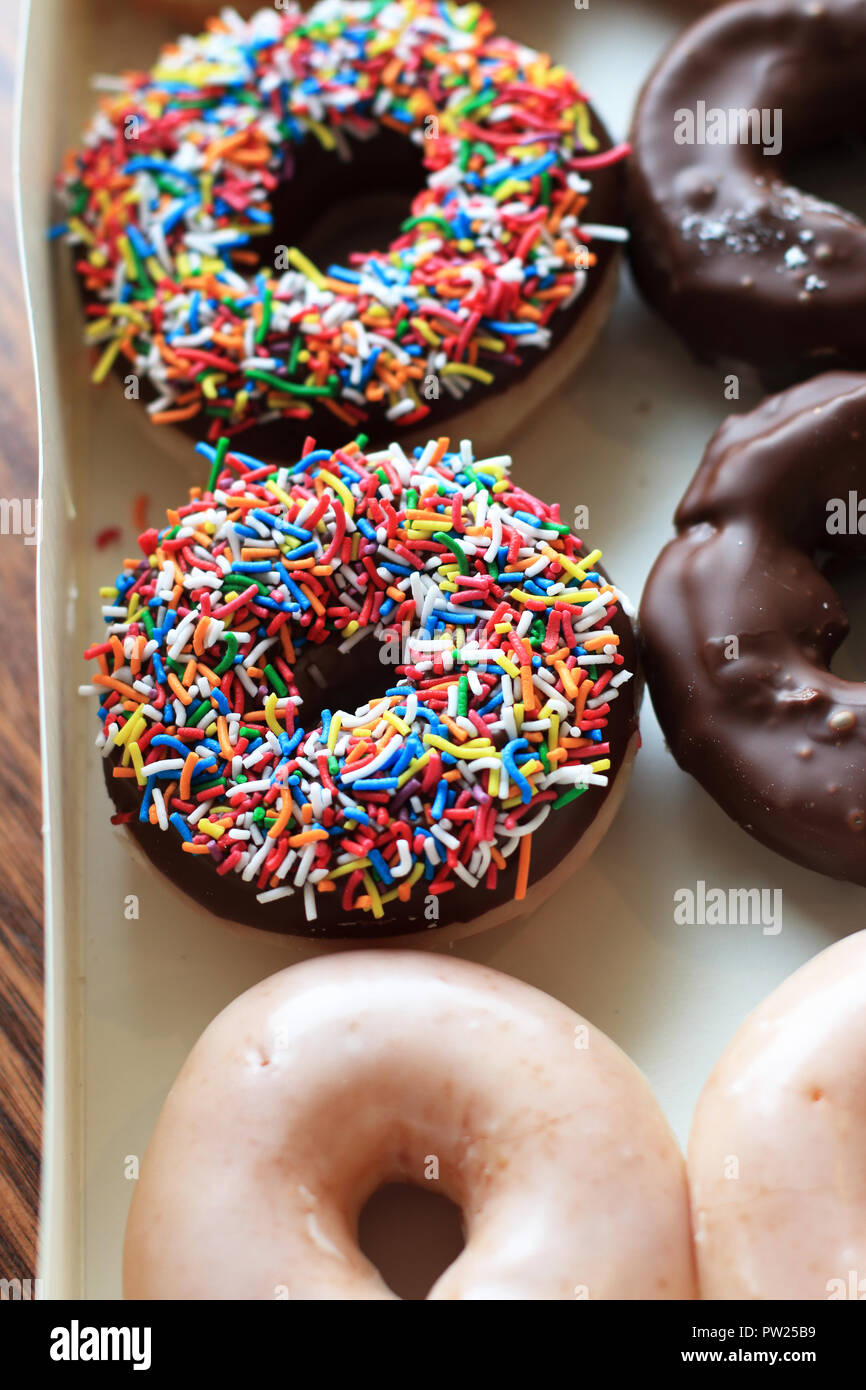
169,207
495,717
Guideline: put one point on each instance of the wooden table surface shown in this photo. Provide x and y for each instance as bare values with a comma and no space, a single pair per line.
20,811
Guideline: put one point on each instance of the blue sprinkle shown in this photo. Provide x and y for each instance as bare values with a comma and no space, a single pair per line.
180,826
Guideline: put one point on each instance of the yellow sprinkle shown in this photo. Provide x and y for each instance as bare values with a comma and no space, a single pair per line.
568,565
462,751
502,627
567,596
398,723
426,331
306,267
341,490
412,769
350,628
77,226
334,731
589,561
580,114
323,134
509,187
349,868
411,880
271,715
125,250
211,828
277,491
466,369
106,362
601,766
508,666
373,894
138,764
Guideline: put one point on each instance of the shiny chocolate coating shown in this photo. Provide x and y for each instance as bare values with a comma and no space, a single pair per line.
739,625
746,267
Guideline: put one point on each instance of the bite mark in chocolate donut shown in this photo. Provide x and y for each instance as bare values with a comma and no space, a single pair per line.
739,626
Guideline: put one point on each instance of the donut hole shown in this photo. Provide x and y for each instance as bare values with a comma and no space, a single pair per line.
411,1234
833,172
847,574
331,207
330,679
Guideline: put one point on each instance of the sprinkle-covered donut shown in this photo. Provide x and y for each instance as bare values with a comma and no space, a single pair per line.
326,1081
196,179
740,625
787,1103
744,265
365,694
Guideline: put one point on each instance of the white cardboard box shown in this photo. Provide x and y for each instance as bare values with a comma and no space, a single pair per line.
125,1000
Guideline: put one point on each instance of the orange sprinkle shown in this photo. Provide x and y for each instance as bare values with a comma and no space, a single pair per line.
527,689
175,685
185,789
306,837
523,868
282,819
112,683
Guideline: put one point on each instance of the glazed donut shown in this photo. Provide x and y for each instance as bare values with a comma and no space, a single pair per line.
247,135
386,803
336,1076
742,264
739,626
776,1171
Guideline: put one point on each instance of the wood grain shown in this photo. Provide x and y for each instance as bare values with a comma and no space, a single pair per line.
20,811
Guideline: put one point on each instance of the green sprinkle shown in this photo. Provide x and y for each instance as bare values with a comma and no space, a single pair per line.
462,696
267,305
198,714
432,217
292,387
571,795
276,681
231,652
220,452
456,549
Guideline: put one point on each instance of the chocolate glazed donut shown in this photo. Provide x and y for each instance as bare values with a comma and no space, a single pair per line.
743,265
740,625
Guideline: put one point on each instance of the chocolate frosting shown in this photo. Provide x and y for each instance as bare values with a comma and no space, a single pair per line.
350,680
739,626
743,265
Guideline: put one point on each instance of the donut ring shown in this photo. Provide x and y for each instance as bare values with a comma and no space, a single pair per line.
335,1076
501,252
740,626
423,803
787,1100
740,263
